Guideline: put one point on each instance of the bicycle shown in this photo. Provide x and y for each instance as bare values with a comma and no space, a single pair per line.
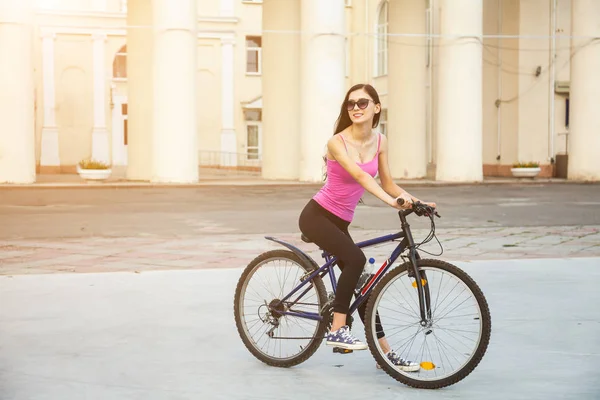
417,275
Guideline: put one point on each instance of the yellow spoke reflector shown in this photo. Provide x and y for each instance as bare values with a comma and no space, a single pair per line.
423,283
428,365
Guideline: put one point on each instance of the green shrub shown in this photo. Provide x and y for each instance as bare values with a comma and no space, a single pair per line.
92,164
530,164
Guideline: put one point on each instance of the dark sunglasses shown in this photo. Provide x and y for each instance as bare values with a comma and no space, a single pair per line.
362,104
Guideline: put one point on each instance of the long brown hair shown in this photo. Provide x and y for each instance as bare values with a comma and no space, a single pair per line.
343,121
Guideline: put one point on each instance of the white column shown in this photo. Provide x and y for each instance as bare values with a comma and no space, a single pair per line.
227,8
460,112
584,125
175,98
140,90
100,145
49,155
228,136
532,142
322,80
281,90
99,5
17,145
407,102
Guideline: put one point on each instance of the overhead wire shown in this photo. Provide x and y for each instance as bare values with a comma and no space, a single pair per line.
341,33
395,39
518,71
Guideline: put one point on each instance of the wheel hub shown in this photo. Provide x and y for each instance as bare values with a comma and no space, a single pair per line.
427,324
277,308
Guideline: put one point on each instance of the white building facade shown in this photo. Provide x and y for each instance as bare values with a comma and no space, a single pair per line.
468,87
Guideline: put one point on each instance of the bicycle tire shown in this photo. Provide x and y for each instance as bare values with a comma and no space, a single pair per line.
315,342
478,353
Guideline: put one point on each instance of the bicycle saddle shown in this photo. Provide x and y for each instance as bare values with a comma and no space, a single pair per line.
305,239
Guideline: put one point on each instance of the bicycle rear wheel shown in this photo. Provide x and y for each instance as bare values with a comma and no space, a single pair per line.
276,339
451,344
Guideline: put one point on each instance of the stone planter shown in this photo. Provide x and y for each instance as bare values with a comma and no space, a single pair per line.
94,174
525,172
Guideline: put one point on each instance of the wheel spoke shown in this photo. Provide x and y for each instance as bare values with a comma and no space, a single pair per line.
444,348
258,306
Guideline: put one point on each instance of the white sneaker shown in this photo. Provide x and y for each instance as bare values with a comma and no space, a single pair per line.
342,338
400,363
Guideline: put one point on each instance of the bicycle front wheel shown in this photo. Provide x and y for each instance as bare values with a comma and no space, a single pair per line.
450,345
275,338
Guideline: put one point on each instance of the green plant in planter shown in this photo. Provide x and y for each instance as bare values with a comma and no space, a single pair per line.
530,164
92,164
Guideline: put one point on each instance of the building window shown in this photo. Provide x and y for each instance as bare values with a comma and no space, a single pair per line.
567,113
381,44
383,122
125,123
120,64
253,119
253,55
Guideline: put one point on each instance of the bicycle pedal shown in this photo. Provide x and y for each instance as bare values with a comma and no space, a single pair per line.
342,351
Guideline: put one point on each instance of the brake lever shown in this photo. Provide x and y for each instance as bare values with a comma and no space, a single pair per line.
431,210
421,209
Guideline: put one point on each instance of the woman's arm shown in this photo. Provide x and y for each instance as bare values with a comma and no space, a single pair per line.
337,150
385,176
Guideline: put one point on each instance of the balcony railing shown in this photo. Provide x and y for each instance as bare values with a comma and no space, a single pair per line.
226,163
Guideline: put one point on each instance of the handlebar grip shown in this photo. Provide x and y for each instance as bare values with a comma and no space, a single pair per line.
400,201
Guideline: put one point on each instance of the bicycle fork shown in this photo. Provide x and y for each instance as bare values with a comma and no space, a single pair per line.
422,286
420,283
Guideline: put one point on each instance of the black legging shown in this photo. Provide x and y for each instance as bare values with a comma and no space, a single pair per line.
330,233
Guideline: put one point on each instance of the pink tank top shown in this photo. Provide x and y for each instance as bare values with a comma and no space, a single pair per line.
341,192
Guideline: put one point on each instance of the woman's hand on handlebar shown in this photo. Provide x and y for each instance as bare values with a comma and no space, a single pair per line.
403,202
406,202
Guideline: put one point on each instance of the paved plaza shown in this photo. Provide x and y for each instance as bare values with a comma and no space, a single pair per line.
139,229
171,335
137,254
127,293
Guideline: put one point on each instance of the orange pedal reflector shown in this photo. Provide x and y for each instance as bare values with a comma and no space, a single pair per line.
427,365
423,283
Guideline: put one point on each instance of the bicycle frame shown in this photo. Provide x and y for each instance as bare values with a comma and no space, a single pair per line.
330,262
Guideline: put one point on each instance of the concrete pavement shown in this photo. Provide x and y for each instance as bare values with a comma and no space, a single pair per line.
127,292
227,250
74,230
198,211
171,335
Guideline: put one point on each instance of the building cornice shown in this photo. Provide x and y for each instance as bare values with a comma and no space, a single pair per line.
229,20
120,15
49,30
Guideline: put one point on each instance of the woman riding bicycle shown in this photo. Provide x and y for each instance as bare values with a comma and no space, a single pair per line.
355,154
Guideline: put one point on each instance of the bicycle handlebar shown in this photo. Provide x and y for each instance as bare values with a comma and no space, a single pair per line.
419,208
